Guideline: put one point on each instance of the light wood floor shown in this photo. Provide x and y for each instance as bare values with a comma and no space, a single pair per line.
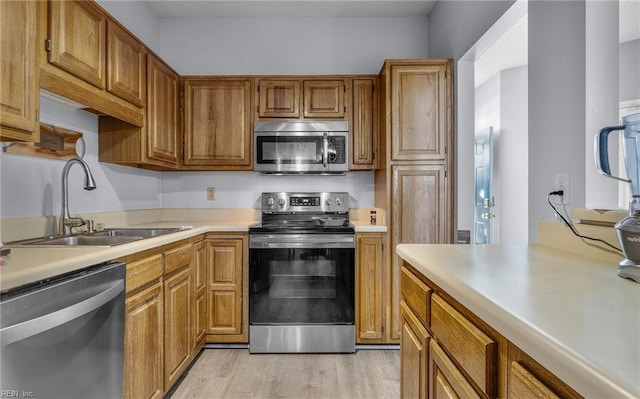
234,373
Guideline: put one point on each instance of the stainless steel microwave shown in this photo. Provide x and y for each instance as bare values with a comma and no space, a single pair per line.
313,147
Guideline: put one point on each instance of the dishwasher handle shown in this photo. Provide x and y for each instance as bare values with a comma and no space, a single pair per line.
29,328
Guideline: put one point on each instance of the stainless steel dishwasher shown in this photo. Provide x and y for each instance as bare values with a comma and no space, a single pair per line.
64,337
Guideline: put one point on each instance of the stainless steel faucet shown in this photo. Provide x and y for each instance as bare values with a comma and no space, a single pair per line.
66,222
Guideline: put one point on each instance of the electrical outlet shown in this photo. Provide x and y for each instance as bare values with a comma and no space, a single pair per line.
562,183
211,193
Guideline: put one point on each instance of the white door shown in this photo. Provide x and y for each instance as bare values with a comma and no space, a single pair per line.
484,201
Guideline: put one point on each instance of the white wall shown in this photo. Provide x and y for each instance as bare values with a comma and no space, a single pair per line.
455,26
31,186
305,46
512,156
629,70
242,190
137,17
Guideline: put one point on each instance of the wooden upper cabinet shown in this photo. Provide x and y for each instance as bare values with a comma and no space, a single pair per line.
19,98
162,112
77,40
217,123
126,65
324,98
420,109
278,98
297,97
364,124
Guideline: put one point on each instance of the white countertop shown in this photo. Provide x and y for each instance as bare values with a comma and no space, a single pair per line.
572,314
30,264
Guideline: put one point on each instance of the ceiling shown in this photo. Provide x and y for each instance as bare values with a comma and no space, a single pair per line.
510,50
292,8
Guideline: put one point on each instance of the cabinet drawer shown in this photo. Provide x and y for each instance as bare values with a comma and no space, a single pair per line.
177,258
416,294
523,384
446,379
473,350
141,272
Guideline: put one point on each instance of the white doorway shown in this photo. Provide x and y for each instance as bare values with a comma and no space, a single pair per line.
500,101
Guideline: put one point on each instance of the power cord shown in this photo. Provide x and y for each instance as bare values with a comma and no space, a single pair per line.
567,221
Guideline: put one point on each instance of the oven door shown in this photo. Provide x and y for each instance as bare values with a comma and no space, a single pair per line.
301,293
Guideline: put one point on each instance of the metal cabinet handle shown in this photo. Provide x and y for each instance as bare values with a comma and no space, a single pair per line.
29,328
325,149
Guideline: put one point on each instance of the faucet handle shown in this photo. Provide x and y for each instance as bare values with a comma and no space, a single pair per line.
90,224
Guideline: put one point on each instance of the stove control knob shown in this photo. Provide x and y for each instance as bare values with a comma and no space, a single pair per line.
270,201
282,202
339,201
329,201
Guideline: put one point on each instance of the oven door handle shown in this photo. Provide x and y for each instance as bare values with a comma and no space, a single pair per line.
49,321
300,241
291,245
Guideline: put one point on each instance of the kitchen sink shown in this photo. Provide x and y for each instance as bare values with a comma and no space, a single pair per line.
136,232
104,238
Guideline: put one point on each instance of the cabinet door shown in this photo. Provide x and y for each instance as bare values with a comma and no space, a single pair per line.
19,97
126,65
225,283
77,34
278,98
324,98
199,288
414,356
446,381
369,288
162,112
420,106
177,325
364,125
143,344
419,216
218,123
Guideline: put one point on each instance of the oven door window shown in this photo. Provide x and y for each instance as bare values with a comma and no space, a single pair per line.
304,150
301,286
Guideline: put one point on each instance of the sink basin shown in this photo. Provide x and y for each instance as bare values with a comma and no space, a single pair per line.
136,232
81,240
105,238
75,240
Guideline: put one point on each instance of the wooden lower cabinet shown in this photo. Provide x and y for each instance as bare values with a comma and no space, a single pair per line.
369,288
143,343
179,297
414,355
177,325
200,295
227,279
454,354
446,381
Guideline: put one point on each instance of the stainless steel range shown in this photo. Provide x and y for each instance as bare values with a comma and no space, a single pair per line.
301,275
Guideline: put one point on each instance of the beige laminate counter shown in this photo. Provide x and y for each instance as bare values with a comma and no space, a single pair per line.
26,265
572,314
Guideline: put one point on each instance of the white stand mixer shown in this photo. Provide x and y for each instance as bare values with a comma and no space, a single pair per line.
628,229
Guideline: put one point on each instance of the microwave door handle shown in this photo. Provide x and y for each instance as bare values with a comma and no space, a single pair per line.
325,149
